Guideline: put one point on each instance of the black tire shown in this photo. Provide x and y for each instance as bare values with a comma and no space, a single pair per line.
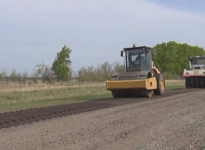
201,82
191,82
160,84
196,82
187,83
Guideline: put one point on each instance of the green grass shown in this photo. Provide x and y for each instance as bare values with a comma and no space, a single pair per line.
175,84
12,101
50,102
33,99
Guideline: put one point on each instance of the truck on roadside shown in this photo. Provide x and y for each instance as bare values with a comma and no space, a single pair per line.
195,75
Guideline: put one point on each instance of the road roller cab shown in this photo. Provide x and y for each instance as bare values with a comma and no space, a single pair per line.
140,78
195,75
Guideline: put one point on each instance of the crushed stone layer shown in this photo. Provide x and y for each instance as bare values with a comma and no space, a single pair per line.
175,122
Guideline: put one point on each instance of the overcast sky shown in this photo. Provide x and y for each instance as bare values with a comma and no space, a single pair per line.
34,31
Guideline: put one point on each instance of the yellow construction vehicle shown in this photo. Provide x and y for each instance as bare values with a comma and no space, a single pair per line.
140,78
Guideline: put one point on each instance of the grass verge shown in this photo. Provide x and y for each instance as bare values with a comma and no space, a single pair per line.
18,100
50,102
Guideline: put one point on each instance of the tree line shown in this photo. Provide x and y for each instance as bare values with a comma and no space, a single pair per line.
45,74
60,70
170,58
100,73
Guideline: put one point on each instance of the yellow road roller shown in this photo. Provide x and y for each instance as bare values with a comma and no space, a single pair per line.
140,78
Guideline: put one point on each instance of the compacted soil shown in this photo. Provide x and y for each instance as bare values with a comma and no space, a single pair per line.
174,122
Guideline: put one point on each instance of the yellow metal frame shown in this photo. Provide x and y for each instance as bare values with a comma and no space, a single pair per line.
148,84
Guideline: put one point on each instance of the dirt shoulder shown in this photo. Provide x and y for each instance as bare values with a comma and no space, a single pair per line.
175,122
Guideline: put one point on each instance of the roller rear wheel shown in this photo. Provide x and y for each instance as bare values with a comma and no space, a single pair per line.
191,82
160,84
196,83
187,83
201,82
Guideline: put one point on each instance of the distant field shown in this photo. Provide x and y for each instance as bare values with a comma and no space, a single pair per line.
16,96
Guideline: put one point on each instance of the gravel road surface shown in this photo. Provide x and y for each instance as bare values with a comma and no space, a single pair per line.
175,122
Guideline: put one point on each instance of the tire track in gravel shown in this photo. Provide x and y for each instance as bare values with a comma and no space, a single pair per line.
124,134
37,114
146,124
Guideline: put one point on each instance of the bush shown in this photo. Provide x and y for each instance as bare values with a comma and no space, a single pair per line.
171,76
172,57
100,73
